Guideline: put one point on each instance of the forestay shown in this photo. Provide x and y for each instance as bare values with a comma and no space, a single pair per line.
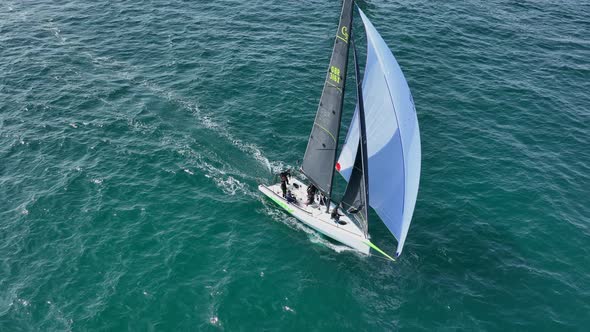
393,138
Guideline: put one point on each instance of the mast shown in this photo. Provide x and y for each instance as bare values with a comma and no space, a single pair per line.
320,154
356,196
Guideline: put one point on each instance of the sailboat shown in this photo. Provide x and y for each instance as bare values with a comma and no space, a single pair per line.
380,158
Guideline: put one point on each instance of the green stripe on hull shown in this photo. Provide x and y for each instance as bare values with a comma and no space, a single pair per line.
287,208
282,204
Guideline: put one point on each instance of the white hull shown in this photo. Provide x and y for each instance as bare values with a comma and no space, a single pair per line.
315,216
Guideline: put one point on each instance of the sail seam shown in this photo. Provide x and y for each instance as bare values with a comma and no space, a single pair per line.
400,140
335,86
398,126
326,130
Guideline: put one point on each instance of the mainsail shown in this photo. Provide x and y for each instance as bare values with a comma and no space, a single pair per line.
320,155
356,195
393,138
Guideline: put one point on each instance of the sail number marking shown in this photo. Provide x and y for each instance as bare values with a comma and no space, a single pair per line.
335,74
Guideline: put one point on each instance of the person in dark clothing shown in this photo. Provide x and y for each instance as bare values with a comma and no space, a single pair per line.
285,175
311,190
290,197
284,181
335,215
323,200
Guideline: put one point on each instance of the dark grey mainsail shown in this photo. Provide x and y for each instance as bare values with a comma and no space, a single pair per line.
320,155
356,195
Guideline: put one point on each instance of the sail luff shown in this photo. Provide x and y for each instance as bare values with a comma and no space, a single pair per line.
320,154
356,196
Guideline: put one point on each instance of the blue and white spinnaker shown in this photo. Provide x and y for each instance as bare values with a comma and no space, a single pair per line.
393,138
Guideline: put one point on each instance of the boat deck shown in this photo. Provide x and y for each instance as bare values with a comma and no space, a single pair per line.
316,216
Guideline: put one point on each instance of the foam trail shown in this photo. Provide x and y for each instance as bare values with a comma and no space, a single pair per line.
129,72
230,184
224,180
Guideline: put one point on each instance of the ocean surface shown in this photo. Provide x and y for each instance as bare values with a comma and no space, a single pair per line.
133,135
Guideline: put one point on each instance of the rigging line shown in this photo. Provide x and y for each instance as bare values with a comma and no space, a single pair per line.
383,258
379,250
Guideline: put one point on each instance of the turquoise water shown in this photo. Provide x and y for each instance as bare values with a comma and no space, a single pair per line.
133,136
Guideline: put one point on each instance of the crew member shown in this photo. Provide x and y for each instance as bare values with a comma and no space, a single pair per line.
290,197
335,215
284,182
311,190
